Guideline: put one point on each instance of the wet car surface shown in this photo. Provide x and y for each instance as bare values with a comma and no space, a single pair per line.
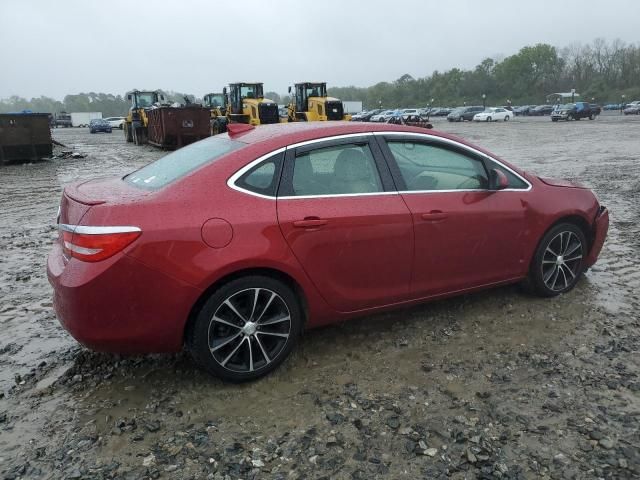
497,381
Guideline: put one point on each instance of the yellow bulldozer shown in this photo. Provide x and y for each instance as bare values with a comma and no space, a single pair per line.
310,103
245,103
136,123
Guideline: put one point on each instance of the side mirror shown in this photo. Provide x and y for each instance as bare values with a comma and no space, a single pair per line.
498,180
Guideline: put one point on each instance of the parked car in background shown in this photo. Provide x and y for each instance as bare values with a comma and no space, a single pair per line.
574,111
356,117
167,256
541,110
366,115
522,110
115,122
633,109
99,125
493,114
370,114
461,114
611,106
379,117
385,116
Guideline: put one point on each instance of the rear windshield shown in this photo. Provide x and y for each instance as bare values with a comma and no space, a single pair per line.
179,163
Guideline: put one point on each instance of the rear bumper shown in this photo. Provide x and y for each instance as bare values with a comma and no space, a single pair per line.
600,229
119,305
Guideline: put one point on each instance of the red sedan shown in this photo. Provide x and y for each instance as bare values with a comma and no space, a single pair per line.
235,244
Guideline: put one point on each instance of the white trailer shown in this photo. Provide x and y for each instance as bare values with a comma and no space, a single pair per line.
82,119
351,107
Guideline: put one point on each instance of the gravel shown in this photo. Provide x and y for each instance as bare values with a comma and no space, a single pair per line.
495,385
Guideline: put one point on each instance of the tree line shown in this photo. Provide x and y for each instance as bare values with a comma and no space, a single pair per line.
602,71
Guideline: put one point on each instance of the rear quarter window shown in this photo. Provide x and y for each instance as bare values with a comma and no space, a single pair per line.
181,162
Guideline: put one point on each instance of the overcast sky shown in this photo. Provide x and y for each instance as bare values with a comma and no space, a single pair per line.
58,47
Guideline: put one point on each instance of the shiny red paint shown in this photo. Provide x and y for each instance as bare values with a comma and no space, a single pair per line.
345,255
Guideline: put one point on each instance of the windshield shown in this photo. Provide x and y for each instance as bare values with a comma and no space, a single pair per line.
567,106
144,99
251,91
316,90
215,100
179,163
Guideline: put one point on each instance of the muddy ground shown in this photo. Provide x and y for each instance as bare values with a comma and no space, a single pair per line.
497,384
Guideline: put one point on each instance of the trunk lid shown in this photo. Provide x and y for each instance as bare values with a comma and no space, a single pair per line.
80,197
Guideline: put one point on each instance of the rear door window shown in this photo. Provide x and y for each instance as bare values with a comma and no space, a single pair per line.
336,170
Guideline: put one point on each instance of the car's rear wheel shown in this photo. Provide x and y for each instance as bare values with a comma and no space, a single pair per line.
559,260
246,328
506,118
489,119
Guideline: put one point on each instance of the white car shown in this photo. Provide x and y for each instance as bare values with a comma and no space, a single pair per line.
492,114
115,122
382,116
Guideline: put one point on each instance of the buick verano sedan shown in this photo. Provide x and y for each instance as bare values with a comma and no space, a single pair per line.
233,245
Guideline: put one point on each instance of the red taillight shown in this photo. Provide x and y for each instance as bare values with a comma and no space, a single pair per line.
93,244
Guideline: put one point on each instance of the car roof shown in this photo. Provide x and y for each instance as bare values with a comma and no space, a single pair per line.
279,135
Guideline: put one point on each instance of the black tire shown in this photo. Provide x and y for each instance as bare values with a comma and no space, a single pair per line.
551,273
489,119
591,117
248,349
554,119
506,118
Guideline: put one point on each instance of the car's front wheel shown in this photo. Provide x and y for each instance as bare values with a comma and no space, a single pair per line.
559,260
246,328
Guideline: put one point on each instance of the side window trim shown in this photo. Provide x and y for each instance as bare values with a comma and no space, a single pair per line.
381,138
231,182
286,182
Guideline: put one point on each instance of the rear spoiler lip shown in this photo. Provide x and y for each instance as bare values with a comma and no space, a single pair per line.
73,193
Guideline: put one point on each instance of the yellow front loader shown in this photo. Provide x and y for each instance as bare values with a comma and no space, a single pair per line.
136,123
310,103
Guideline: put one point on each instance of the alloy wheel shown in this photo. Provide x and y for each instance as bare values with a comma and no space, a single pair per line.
249,330
561,261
